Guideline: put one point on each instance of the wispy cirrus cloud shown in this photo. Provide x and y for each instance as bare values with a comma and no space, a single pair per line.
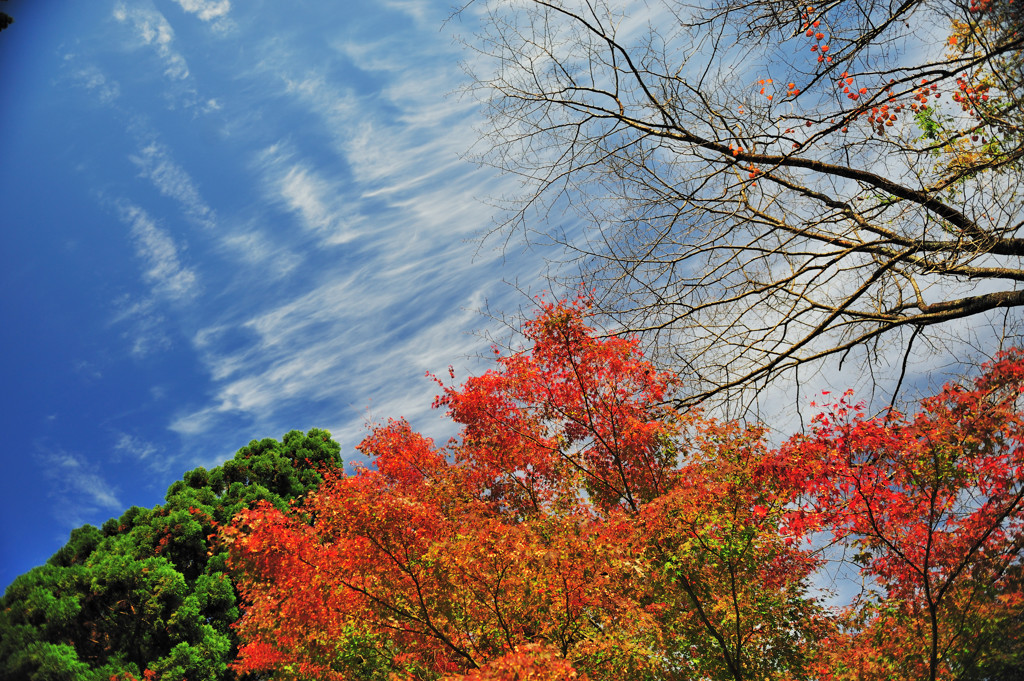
156,164
332,353
315,199
403,282
79,485
308,195
145,325
421,12
415,133
206,10
93,79
255,248
151,28
167,278
134,447
163,270
141,452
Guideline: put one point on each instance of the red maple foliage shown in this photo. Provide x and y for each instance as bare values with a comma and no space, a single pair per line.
932,504
582,528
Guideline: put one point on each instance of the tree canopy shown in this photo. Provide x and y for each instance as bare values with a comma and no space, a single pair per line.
146,593
5,19
579,527
768,185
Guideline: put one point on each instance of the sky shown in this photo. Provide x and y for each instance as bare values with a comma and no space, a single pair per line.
221,221
224,220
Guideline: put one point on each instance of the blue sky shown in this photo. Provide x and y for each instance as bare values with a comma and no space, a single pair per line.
222,221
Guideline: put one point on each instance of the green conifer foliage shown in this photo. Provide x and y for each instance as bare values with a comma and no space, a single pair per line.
148,590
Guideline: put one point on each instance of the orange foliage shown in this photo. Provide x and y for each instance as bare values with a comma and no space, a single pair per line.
581,528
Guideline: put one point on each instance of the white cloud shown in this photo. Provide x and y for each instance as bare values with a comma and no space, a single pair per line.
319,202
400,288
401,144
151,28
95,81
155,164
84,490
310,195
163,270
256,249
195,423
355,338
87,370
135,447
402,292
146,325
378,55
206,9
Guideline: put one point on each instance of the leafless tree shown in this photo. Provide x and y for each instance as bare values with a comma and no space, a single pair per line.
766,185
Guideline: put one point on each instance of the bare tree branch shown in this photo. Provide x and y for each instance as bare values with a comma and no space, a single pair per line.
765,184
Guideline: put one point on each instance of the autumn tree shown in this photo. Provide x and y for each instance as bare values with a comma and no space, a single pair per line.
932,508
144,595
766,185
578,525
580,528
